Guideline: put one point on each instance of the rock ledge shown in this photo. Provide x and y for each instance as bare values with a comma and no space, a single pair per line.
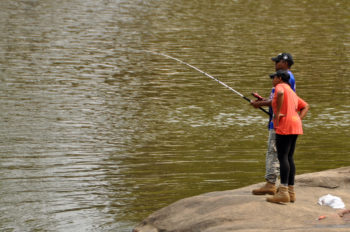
239,210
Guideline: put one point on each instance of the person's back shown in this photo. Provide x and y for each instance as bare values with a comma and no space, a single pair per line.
290,123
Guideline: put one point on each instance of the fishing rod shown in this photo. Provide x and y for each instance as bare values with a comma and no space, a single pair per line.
208,75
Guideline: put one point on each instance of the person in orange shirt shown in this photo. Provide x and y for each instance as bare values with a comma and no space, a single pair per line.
288,110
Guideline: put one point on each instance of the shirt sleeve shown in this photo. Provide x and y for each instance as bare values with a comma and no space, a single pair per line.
279,88
292,81
301,104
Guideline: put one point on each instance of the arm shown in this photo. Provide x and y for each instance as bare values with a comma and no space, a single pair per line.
259,103
303,111
303,107
280,99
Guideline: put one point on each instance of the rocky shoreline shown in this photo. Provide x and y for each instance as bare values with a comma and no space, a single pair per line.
239,210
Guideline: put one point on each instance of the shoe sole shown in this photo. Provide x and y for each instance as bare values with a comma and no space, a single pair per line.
259,194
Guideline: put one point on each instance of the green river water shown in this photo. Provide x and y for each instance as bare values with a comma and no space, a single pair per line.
97,134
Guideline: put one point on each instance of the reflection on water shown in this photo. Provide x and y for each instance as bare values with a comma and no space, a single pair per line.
96,134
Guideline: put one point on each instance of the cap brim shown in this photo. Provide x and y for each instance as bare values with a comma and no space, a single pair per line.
272,75
275,59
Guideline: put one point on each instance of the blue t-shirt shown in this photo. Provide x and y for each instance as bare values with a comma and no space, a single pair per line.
292,85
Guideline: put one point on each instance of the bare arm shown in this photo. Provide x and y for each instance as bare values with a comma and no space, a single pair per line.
259,103
280,99
304,111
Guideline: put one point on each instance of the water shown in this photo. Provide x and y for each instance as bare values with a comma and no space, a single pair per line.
96,134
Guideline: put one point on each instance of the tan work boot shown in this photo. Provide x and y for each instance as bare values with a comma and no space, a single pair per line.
291,193
268,188
281,196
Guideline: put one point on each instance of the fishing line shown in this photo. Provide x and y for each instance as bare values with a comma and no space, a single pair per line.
208,75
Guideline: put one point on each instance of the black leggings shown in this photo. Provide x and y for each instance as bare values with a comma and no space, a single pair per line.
285,149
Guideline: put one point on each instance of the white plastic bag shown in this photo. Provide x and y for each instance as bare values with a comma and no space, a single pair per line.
332,201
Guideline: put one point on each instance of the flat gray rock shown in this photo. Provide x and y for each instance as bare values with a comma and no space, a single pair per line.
239,210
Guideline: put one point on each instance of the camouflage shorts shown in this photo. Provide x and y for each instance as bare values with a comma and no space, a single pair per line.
272,163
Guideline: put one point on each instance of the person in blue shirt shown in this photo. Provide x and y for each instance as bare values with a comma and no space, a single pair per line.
283,61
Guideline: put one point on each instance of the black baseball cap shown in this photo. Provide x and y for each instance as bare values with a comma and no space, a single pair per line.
284,56
281,73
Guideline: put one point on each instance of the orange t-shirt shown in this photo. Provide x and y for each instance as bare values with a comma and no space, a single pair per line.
290,124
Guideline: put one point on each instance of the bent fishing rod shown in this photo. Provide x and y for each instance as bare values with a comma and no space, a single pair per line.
208,75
